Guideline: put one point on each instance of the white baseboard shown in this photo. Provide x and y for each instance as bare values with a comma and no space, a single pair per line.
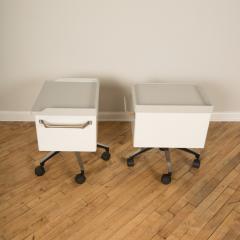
18,116
225,117
113,116
25,116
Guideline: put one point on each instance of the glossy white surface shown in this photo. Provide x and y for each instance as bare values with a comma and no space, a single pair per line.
66,102
168,115
66,139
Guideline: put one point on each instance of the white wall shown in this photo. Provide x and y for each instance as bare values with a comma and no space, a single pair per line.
121,42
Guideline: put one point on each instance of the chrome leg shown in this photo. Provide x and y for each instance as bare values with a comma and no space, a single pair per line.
48,157
130,159
168,159
40,170
80,178
196,162
138,152
80,161
100,145
197,155
167,177
105,155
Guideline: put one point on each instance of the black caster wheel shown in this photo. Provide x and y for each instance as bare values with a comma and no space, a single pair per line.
106,155
39,170
166,178
80,178
130,162
196,163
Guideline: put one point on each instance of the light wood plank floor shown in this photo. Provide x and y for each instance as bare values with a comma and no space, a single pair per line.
118,202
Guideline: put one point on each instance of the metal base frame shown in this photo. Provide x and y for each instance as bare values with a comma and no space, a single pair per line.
80,178
166,178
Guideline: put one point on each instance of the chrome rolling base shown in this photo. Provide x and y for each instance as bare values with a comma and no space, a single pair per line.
79,178
167,177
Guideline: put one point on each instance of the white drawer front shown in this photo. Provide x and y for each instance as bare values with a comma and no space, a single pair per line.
65,133
173,130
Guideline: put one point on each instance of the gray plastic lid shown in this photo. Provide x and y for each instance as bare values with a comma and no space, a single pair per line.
167,94
168,97
61,94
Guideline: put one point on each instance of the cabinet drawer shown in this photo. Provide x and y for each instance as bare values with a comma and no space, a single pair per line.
66,133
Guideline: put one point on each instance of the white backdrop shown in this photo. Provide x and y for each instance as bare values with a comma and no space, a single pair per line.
121,42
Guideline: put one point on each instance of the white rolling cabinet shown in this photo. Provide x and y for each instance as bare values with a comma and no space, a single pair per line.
66,115
66,118
169,116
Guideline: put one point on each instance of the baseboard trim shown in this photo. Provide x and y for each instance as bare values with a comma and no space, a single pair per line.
16,116
113,116
26,116
225,117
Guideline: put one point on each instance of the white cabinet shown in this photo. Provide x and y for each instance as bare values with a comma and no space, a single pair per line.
170,116
66,115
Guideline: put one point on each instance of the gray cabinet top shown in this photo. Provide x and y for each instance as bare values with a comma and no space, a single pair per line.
168,97
68,93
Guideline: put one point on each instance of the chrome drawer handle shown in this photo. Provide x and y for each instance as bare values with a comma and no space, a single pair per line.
54,125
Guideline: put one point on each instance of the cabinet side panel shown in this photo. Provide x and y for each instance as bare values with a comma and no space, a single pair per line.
173,130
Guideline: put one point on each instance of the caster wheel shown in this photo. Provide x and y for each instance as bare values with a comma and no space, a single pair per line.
39,170
80,178
106,155
196,163
166,178
130,162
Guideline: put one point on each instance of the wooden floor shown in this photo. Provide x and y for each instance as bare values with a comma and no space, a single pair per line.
118,202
